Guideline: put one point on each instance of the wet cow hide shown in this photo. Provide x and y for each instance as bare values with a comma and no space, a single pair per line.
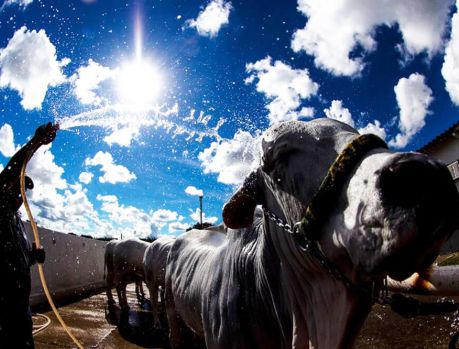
256,286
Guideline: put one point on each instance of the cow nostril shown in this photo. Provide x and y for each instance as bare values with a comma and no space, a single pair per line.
406,183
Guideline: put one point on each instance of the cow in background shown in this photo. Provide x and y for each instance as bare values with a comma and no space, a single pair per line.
340,213
124,264
154,264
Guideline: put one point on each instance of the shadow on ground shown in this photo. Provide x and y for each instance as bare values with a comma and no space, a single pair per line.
135,325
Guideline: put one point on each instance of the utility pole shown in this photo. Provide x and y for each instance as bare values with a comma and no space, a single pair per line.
200,210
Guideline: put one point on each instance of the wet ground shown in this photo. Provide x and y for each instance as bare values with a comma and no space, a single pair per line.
98,326
387,330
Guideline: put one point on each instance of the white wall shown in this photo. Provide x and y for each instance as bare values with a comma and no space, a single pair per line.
73,265
447,151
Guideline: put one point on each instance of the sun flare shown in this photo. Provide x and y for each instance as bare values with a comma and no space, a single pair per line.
139,83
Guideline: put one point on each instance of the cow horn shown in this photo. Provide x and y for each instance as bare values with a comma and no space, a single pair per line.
438,281
239,210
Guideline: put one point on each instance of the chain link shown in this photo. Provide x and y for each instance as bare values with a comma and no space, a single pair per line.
279,221
319,256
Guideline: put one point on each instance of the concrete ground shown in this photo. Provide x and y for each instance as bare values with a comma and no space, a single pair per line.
98,326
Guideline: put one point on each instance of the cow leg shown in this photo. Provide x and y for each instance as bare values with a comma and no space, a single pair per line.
142,292
109,286
153,288
119,293
180,336
125,302
139,291
121,290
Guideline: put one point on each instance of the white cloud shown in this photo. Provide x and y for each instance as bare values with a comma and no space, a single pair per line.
7,141
46,202
123,136
450,69
87,81
190,190
107,198
337,27
70,211
306,112
44,171
286,87
196,217
128,220
163,215
112,173
77,202
176,227
85,177
212,18
338,112
21,3
29,65
59,206
413,98
66,208
52,207
233,158
374,128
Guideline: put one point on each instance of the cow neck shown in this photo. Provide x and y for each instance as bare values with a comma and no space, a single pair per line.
326,313
306,232
321,310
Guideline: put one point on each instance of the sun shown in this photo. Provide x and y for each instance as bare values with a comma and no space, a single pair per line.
139,83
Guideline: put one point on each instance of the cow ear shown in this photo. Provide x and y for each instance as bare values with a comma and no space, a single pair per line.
239,210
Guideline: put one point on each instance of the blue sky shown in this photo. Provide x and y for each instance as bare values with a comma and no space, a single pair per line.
160,101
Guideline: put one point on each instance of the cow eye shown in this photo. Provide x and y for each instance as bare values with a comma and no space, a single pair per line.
273,159
278,171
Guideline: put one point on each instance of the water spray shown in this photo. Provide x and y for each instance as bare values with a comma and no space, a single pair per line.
40,266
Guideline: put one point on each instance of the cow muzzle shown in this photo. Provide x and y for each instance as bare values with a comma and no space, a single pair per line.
420,193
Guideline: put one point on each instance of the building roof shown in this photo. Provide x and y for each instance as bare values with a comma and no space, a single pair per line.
450,132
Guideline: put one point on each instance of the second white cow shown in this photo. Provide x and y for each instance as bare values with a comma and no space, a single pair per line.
124,263
154,262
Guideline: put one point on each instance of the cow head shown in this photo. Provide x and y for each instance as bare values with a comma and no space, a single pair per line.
390,217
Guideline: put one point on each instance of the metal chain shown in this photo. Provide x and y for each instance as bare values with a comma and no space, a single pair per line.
279,221
314,251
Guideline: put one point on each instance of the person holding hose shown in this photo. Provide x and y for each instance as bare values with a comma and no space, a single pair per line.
17,254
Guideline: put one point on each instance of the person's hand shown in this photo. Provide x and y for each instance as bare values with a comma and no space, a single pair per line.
38,253
46,133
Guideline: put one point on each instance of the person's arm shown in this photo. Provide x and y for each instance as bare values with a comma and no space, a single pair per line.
9,177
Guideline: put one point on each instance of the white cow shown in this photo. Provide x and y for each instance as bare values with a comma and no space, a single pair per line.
154,263
267,285
124,264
